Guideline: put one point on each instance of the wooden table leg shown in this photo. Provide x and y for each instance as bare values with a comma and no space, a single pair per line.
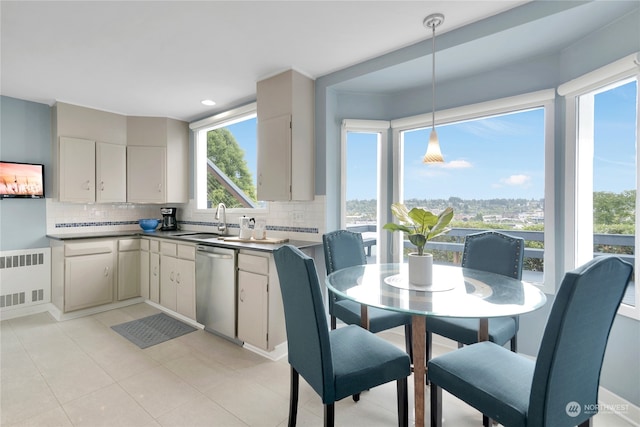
418,325
364,316
483,331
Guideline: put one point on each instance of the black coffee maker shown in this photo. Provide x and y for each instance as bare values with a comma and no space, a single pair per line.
169,221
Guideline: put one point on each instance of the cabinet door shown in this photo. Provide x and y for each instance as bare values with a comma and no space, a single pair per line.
145,273
88,281
146,174
111,173
186,288
128,275
168,282
154,277
252,308
77,170
274,158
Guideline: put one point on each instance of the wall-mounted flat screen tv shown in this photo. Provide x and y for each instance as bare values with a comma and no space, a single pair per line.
21,180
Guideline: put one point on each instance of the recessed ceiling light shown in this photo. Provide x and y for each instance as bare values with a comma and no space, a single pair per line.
208,102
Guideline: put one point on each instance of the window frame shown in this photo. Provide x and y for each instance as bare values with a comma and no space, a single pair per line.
200,129
577,227
381,128
541,99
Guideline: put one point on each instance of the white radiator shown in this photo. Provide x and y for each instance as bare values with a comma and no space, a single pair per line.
25,278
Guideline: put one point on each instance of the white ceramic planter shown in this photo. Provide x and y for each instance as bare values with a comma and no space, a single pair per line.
420,269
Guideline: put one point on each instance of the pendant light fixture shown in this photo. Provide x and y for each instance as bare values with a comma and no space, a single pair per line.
433,154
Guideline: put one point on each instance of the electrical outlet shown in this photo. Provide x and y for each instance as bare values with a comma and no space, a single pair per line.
297,217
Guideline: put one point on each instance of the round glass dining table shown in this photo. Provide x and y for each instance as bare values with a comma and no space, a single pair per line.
455,292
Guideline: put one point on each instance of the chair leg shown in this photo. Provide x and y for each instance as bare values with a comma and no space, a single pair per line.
333,322
329,415
587,423
403,402
429,344
514,343
486,422
293,397
436,405
356,397
460,345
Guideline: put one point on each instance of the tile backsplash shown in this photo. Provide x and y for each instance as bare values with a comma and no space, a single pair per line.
295,220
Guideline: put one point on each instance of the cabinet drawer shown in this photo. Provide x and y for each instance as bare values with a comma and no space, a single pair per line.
144,244
154,245
253,264
128,245
186,252
88,248
170,249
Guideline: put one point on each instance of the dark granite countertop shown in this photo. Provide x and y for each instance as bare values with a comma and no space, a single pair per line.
182,236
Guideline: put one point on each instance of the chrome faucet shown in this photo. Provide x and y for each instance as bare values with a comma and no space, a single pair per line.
222,226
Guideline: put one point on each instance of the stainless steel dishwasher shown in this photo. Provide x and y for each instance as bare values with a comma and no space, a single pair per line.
216,290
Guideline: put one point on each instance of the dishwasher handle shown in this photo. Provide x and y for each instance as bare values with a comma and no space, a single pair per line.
214,255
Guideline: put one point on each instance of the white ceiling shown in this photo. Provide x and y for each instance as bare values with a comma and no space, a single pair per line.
155,58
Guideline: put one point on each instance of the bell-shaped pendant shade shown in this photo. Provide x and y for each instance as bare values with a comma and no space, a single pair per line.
433,154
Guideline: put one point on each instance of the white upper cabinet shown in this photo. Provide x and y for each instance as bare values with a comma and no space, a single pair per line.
157,160
146,174
111,173
91,172
77,170
90,153
286,163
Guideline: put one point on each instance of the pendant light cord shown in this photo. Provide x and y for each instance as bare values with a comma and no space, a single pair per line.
433,77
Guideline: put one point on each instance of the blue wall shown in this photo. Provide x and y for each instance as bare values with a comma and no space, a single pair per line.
25,137
621,370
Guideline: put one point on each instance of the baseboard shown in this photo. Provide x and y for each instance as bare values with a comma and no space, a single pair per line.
27,311
60,316
172,313
278,352
611,402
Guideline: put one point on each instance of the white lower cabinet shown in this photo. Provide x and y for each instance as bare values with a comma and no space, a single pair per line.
150,269
178,278
253,292
128,268
260,310
154,277
83,274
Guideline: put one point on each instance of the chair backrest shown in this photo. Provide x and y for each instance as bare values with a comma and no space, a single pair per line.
567,372
494,252
305,320
342,249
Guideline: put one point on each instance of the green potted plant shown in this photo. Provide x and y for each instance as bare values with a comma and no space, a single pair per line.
420,226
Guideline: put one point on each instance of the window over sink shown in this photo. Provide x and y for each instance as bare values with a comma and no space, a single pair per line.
226,160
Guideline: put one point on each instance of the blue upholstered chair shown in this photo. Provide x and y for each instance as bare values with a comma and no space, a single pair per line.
336,363
494,252
561,387
342,249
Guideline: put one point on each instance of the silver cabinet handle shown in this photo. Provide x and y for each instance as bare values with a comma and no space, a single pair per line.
178,278
106,272
171,276
159,188
88,185
101,185
155,271
241,295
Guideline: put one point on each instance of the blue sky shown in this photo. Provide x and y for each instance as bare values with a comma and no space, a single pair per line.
498,157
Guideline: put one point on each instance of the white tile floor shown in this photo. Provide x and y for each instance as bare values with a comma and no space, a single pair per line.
81,373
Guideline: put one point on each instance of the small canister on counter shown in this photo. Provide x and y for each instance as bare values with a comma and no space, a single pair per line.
260,229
